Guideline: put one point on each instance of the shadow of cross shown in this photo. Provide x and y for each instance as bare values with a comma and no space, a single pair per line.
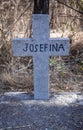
40,46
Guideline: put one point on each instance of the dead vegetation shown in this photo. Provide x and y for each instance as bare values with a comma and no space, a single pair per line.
16,74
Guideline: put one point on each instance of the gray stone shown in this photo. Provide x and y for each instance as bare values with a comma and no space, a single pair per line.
40,46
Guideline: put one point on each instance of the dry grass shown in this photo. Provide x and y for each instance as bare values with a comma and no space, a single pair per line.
16,74
17,82
63,77
66,78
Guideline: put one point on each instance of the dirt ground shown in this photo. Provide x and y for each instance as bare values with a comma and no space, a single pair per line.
63,111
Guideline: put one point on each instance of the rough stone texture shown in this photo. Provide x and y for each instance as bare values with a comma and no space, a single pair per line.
62,112
41,66
41,77
40,25
65,42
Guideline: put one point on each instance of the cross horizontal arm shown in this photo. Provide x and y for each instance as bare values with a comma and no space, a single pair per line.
30,47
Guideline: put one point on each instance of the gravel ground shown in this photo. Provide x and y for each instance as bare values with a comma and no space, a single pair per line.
63,111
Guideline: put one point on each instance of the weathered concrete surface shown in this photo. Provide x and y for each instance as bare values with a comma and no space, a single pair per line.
40,47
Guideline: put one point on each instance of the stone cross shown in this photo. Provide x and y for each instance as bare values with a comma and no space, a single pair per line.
40,46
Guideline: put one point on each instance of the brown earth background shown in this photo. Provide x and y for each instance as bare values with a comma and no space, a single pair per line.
66,73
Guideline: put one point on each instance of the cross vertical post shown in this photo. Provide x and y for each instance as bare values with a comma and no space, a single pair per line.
41,34
41,60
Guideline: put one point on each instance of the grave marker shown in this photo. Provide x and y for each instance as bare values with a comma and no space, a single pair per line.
40,46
